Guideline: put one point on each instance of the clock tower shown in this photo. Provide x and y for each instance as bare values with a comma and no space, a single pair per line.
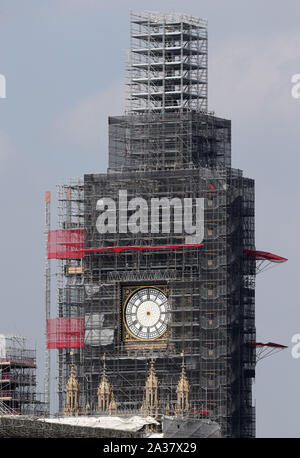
142,290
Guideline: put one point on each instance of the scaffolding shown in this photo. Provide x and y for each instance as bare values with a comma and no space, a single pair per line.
210,289
69,278
168,141
18,378
47,375
168,63
166,146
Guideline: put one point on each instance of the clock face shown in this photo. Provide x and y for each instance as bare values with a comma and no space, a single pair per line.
147,313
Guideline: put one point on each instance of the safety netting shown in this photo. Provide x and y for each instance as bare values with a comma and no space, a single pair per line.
264,350
65,244
65,333
264,259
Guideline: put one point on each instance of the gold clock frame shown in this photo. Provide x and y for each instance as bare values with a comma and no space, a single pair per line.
126,335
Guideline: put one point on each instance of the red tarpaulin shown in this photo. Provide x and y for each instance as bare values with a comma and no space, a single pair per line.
264,260
141,248
268,344
65,244
263,350
69,244
65,333
264,256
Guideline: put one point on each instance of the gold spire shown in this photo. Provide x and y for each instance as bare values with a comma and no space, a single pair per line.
183,389
151,400
106,401
152,381
112,405
87,408
72,393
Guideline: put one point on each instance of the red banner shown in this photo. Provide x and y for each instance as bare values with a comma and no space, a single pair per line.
65,244
65,333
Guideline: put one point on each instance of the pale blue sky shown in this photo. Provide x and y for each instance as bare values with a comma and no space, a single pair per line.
64,62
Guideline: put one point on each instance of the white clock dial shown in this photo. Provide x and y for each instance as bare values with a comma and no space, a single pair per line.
147,313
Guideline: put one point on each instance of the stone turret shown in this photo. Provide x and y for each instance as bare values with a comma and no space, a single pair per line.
183,391
72,407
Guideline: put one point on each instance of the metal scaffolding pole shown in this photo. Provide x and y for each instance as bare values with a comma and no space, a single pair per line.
47,303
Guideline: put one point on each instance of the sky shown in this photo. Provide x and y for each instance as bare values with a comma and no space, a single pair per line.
64,62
